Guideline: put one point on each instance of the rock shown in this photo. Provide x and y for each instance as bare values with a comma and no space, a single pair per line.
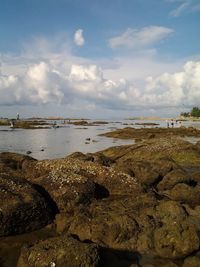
180,151
145,133
23,208
14,161
150,136
139,203
191,262
185,193
177,237
172,178
97,158
71,179
198,145
67,189
119,224
141,170
179,185
59,251
171,264
28,152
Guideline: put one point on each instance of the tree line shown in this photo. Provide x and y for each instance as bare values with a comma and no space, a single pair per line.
195,112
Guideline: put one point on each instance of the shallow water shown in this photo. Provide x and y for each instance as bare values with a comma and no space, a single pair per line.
60,142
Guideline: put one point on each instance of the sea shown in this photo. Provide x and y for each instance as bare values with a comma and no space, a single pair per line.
68,138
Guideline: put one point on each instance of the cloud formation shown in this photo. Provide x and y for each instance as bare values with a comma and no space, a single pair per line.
139,39
47,82
78,38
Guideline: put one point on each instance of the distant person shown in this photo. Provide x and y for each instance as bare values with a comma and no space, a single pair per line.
17,116
12,124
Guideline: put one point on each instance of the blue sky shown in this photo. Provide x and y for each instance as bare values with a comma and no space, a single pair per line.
99,56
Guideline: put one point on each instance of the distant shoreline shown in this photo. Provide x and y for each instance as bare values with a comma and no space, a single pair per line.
163,119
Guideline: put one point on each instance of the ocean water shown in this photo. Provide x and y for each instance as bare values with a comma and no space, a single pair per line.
60,142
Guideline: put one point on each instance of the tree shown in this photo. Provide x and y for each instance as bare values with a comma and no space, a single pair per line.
195,112
185,114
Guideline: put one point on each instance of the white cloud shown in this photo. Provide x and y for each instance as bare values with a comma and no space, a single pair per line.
178,88
74,82
139,39
184,6
43,84
180,9
78,38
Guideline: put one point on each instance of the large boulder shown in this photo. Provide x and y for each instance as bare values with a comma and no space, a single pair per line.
72,181
144,225
15,164
177,235
122,224
59,252
22,208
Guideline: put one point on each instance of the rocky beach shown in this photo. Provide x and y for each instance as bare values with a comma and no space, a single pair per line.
135,205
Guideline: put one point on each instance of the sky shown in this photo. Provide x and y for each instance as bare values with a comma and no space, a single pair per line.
99,59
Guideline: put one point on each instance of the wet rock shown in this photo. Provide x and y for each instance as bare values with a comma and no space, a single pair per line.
59,251
23,209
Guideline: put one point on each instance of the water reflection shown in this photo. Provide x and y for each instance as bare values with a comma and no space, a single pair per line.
59,142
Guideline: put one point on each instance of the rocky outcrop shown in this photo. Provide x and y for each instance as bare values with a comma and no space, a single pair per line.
14,163
135,205
22,208
58,252
142,225
71,181
148,133
180,151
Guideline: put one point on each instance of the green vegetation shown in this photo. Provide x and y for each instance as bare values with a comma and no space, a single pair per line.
195,112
